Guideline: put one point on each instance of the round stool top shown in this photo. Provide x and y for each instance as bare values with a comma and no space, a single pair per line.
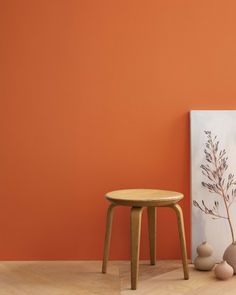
144,197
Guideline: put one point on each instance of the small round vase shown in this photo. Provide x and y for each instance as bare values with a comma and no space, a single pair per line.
230,256
224,271
204,260
204,263
204,250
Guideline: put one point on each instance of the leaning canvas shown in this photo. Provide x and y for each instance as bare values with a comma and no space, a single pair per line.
213,179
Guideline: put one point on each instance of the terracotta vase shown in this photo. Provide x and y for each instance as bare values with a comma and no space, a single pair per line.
230,256
224,271
204,260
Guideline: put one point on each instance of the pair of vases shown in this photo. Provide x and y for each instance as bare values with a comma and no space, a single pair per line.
205,261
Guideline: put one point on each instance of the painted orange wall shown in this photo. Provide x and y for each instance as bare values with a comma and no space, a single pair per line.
95,96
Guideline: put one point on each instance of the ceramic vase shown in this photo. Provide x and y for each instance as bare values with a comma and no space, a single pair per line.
230,256
204,260
224,271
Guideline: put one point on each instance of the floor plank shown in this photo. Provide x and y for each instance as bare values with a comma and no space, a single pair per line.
57,277
85,278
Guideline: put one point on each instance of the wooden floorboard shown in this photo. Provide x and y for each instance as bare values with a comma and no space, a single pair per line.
85,277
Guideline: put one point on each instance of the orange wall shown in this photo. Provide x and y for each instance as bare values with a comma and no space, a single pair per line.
95,96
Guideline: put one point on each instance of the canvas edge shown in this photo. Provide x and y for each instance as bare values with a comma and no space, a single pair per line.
191,114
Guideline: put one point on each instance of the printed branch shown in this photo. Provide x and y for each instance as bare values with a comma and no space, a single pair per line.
214,170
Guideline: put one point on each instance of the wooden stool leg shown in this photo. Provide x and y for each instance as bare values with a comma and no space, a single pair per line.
135,230
180,219
107,237
152,233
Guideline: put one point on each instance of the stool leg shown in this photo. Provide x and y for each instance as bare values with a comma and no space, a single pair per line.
152,233
107,237
135,230
180,219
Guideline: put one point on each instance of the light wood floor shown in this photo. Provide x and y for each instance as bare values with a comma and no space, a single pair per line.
85,277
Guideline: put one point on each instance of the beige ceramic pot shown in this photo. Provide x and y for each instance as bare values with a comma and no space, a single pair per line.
224,271
204,263
204,260
204,250
230,256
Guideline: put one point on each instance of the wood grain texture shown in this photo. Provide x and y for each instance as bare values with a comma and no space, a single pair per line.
180,221
138,199
152,233
107,237
85,278
57,278
143,197
135,230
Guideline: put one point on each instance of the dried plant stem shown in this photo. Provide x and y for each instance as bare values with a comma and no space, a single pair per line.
228,218
218,181
222,192
207,211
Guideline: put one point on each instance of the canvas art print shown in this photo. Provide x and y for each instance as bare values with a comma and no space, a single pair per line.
213,179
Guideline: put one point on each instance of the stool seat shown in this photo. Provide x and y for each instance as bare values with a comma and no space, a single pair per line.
144,197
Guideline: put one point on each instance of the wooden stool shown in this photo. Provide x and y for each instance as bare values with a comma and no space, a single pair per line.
138,199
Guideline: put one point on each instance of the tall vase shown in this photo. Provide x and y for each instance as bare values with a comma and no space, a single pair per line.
230,255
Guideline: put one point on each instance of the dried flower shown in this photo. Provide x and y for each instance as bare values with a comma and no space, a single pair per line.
217,182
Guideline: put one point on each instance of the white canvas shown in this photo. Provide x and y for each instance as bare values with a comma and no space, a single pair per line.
209,227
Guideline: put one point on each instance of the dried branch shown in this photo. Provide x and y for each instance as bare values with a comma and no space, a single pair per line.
215,171
208,211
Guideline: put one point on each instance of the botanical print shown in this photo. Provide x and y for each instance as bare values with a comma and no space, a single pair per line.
218,183
213,184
